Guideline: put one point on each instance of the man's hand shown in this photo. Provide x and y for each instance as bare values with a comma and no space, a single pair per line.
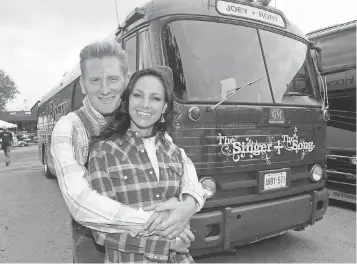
180,214
156,219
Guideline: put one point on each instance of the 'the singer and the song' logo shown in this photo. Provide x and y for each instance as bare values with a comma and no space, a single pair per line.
248,148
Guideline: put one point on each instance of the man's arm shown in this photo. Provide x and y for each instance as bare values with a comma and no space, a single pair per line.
86,206
190,184
154,248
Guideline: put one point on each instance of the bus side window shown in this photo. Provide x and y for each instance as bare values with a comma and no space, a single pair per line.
77,97
145,59
65,108
130,46
51,110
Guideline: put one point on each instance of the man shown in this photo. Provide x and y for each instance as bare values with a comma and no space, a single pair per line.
104,75
7,141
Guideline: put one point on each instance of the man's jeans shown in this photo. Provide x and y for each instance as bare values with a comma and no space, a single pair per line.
6,149
85,249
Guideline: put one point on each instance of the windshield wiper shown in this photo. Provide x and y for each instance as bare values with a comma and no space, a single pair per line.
233,92
298,94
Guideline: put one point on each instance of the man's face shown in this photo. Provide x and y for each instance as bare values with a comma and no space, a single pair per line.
103,81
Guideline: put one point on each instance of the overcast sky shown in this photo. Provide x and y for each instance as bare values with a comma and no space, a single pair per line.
40,39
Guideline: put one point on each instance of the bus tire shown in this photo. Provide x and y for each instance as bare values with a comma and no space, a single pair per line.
46,170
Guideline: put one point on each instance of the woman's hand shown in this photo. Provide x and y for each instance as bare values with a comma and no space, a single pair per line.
187,236
179,245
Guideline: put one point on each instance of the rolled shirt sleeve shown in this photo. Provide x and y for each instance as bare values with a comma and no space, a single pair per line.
86,205
189,182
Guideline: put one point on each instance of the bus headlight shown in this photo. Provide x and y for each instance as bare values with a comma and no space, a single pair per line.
316,173
209,186
326,115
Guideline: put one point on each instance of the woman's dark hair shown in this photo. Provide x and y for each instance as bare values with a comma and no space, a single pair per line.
120,124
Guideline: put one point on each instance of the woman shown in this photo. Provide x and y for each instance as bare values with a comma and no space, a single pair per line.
133,162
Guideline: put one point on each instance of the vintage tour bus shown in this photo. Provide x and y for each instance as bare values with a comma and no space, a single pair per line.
249,113
338,60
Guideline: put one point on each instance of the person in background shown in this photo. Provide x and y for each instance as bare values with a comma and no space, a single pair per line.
7,142
104,75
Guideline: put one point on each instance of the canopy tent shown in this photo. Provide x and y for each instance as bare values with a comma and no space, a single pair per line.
4,124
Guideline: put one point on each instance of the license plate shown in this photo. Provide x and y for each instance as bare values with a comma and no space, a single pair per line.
275,180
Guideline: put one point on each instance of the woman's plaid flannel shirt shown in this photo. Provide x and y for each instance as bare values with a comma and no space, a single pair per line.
121,170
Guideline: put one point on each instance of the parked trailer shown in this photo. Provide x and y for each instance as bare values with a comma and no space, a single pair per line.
339,68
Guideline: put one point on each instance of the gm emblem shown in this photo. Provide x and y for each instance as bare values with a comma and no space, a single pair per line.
276,116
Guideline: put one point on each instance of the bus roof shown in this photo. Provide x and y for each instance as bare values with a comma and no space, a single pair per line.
68,77
153,9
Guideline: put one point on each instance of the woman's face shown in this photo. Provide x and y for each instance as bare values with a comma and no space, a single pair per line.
146,104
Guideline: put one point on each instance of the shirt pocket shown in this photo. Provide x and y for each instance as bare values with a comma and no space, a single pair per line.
123,177
172,183
175,171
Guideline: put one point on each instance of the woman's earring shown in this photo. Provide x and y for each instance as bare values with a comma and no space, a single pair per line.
162,120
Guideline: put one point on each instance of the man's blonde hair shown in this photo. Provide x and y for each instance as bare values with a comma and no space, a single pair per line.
101,49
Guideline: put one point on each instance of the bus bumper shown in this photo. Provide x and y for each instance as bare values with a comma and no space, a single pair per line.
236,226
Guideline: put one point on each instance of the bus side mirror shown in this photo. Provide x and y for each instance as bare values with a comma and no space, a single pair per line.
317,54
316,47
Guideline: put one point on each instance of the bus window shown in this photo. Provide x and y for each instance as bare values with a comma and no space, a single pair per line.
145,59
78,97
290,69
130,48
205,71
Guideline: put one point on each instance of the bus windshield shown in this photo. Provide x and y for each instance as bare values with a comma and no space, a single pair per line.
222,57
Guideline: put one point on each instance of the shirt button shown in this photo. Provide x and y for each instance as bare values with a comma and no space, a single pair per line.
142,151
125,177
158,195
155,257
150,172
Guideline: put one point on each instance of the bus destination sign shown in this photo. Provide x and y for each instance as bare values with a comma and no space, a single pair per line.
239,10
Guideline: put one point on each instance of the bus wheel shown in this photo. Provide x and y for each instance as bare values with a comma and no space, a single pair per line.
46,171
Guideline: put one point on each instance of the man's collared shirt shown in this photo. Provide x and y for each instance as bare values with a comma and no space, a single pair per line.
69,149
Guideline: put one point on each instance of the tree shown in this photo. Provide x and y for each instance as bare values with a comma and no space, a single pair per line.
8,90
